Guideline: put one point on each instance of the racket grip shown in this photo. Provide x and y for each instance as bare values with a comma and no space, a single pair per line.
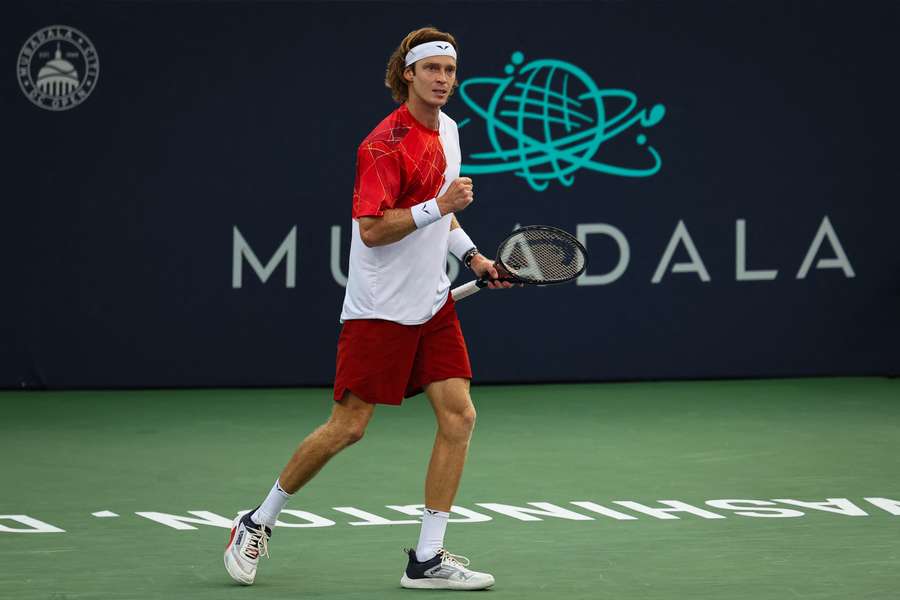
467,289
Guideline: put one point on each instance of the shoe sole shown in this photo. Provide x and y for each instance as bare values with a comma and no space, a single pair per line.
234,571
428,583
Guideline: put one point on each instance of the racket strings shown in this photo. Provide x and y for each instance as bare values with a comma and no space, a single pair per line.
542,256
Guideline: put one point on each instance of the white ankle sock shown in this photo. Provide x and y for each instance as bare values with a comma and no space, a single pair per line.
431,538
271,507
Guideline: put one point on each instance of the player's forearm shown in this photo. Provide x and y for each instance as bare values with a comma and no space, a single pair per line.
397,223
394,225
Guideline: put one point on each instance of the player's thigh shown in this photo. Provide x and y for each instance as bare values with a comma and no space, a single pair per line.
375,360
451,400
442,356
351,411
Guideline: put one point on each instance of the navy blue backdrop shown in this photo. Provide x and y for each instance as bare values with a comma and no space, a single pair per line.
731,167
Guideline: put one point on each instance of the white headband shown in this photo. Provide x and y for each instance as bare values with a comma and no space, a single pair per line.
430,49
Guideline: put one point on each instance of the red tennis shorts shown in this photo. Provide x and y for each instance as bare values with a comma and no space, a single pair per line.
383,362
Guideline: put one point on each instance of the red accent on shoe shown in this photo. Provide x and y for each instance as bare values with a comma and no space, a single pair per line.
231,538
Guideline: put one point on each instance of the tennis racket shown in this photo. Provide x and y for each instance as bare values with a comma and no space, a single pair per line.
534,255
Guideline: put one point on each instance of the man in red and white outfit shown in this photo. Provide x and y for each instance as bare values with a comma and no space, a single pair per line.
401,334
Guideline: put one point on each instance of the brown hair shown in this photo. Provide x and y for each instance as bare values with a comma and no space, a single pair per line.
393,77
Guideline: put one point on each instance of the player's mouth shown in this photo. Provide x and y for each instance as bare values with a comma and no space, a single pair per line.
440,93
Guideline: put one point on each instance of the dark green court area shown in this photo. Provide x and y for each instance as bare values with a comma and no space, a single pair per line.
565,493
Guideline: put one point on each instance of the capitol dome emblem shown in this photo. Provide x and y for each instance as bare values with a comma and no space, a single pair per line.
58,68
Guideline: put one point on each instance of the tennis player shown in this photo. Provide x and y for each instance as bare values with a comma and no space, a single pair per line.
400,332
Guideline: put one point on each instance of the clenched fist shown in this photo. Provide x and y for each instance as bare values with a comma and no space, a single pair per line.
458,196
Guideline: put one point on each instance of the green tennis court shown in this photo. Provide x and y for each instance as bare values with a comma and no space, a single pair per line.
819,458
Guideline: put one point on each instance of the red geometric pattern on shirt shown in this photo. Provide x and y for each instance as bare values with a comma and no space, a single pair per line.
400,163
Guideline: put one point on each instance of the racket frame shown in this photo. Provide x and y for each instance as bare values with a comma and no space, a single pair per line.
467,289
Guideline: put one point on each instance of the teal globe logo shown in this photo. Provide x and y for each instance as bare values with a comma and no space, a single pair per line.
548,119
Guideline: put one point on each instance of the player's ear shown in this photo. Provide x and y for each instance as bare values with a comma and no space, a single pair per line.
408,74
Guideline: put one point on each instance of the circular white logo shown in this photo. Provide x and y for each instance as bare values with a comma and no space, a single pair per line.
58,67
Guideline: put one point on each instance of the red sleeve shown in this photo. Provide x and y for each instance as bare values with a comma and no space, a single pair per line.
378,176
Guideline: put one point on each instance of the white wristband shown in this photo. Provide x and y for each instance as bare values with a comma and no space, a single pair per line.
460,243
426,213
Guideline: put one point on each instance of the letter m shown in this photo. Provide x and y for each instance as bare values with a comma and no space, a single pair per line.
242,250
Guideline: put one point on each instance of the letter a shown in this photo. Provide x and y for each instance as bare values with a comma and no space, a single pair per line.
839,262
695,266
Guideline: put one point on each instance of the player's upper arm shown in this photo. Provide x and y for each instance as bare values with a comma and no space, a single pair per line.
378,179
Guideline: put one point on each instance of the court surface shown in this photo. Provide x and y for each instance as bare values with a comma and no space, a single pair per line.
788,445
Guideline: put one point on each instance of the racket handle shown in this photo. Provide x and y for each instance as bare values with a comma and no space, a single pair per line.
467,289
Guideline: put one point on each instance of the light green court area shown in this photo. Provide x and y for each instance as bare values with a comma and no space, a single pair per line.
67,455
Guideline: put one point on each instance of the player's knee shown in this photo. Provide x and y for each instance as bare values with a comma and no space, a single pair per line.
353,436
459,425
353,432
346,431
467,419
349,420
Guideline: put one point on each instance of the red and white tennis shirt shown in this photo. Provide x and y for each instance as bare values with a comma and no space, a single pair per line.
400,164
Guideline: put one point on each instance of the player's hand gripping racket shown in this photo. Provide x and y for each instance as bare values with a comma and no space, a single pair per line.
534,255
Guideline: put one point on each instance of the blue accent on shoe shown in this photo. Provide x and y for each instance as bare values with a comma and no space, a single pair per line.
416,569
250,523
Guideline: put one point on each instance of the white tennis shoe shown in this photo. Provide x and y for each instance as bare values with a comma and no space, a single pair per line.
443,572
247,543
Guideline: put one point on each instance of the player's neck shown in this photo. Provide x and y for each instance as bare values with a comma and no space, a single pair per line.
427,115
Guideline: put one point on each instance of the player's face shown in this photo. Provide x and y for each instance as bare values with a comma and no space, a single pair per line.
432,80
